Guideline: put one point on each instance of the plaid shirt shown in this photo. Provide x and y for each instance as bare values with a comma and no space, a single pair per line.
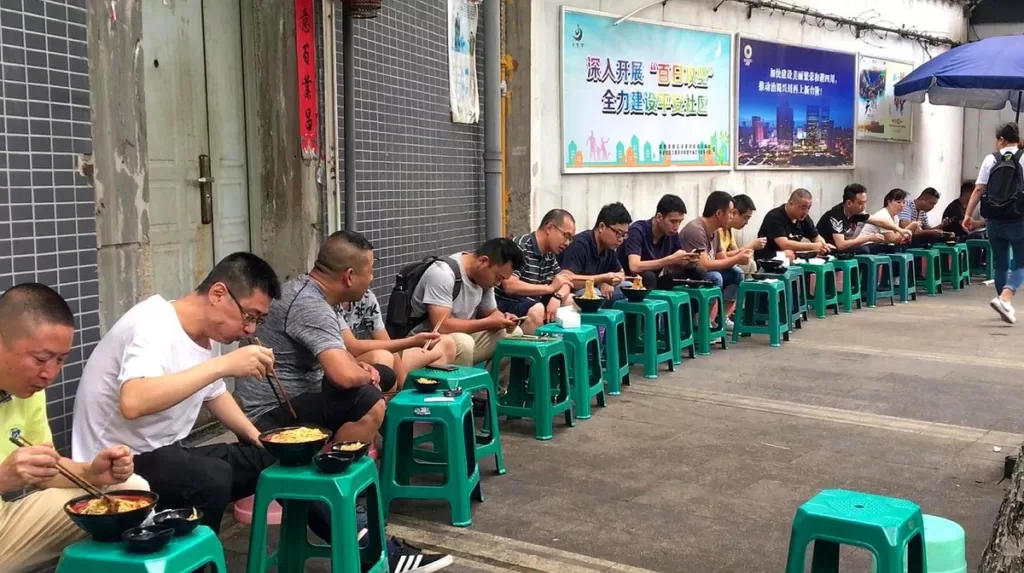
539,268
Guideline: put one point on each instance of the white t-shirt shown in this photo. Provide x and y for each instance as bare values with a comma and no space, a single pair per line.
882,213
148,341
990,161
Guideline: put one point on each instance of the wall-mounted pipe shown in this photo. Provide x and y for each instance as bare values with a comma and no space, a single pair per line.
492,119
349,80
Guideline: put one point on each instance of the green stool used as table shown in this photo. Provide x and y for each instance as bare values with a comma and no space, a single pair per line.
850,294
295,488
705,297
584,364
876,272
945,546
824,294
930,276
616,356
773,321
907,287
461,474
891,529
471,380
538,382
182,555
979,253
680,322
954,265
796,294
642,343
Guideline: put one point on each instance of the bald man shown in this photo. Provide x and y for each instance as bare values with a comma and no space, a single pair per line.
36,331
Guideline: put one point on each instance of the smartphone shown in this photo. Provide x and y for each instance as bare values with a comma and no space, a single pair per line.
445,368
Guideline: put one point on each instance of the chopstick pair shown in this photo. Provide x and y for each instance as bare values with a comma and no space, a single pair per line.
17,440
275,385
437,328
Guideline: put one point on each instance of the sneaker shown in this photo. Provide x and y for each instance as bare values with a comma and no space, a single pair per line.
729,325
404,558
1004,309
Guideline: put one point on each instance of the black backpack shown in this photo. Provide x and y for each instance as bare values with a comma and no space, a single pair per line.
1003,199
400,320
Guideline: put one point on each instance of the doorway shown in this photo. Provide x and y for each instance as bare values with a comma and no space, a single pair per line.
195,122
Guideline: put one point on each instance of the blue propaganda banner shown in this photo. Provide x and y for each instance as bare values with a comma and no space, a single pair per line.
796,107
643,96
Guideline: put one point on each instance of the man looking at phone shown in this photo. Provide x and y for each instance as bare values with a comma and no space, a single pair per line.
653,250
701,236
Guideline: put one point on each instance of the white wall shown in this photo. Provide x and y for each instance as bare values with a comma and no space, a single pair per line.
980,125
932,160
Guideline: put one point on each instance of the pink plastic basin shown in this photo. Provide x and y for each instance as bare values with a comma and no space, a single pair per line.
243,511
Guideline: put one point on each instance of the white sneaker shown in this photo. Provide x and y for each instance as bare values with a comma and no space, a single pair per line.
729,325
1004,309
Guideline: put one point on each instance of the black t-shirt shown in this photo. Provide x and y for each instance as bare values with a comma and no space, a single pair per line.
955,213
778,224
835,222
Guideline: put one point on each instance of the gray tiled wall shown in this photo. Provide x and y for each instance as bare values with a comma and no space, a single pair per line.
419,176
47,221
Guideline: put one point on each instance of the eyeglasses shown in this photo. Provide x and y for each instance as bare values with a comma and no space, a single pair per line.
618,234
247,318
565,234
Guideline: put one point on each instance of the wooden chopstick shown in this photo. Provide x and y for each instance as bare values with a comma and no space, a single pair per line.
437,327
274,380
81,483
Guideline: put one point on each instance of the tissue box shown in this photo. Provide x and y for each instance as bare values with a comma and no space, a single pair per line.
567,317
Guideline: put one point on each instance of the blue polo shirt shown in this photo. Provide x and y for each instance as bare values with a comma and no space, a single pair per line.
641,242
583,258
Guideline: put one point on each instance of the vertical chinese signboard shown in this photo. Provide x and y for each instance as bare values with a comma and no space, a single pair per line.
463,17
642,96
881,116
305,48
796,107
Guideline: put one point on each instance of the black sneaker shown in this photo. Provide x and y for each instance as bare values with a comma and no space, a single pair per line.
405,558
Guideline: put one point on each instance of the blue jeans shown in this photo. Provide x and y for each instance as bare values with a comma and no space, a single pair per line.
616,295
1002,236
728,280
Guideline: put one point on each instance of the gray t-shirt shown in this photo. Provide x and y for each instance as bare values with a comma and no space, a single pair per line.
301,324
435,288
363,316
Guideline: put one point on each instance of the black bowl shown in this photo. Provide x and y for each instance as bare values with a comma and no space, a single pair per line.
771,266
589,304
635,295
149,539
355,453
844,256
333,462
108,528
298,454
426,388
178,520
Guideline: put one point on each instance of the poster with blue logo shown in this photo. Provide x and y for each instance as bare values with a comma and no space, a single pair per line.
796,107
642,96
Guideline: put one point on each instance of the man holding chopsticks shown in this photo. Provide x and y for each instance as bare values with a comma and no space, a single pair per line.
36,331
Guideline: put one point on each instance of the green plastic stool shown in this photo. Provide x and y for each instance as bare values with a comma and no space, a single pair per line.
642,343
538,383
877,282
460,471
616,356
956,269
584,364
680,322
850,294
891,529
471,380
980,254
705,297
945,546
796,294
907,287
929,276
774,322
182,555
294,488
824,294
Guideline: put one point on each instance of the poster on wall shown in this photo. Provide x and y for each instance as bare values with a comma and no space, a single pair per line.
463,16
881,116
642,97
796,107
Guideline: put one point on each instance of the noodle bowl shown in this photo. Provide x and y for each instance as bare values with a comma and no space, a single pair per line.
99,506
297,436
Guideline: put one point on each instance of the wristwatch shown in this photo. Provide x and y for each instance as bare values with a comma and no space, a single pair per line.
556,296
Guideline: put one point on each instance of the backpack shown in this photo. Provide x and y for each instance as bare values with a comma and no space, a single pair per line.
400,320
1003,199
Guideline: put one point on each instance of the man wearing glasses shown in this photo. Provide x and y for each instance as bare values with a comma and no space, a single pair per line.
535,292
592,254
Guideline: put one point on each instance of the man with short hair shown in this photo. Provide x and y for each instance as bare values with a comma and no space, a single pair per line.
742,210
914,218
591,255
841,230
701,236
787,228
653,250
472,318
955,212
36,332
538,289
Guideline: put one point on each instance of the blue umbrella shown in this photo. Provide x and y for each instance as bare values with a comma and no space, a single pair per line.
981,75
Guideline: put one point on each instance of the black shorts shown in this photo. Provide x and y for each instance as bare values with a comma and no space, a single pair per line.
330,408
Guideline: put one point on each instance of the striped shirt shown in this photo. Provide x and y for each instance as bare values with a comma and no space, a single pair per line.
911,213
539,268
